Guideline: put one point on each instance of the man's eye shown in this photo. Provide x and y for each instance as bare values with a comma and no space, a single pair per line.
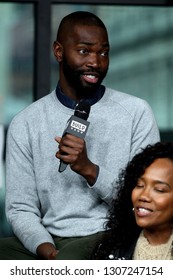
104,53
83,51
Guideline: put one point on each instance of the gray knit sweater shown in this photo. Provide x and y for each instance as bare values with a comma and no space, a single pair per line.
40,201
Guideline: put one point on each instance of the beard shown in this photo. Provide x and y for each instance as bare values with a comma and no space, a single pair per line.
74,79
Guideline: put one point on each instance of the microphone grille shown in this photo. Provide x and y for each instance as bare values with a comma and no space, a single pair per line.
82,110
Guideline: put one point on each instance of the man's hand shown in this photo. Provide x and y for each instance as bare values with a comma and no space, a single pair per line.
72,150
47,251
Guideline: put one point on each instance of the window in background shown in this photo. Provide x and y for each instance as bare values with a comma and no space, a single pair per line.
141,58
16,77
16,56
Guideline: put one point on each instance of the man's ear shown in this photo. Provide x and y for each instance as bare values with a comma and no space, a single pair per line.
58,51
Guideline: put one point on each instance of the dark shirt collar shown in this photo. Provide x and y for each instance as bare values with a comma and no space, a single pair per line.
70,103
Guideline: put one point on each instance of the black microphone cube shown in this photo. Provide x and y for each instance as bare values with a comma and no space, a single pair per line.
77,127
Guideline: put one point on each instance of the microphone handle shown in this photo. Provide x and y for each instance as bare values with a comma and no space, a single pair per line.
62,166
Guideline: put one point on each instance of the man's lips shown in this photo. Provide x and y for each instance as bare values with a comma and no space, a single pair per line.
90,78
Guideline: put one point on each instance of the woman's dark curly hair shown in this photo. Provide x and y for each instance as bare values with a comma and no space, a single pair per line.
121,227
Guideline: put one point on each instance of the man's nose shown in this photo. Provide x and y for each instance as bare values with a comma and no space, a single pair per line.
93,61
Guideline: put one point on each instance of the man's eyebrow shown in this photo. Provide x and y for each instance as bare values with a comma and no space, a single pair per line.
105,45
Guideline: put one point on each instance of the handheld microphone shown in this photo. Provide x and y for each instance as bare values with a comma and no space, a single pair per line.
77,125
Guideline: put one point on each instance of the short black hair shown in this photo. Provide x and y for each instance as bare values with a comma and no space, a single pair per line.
78,18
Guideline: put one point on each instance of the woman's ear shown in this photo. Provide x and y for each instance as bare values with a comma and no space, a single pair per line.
58,51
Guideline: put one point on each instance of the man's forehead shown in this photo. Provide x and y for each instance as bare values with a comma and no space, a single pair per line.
88,32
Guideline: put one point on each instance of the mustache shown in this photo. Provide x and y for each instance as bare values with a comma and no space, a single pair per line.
91,71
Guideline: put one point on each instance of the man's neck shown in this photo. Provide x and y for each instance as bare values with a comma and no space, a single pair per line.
70,102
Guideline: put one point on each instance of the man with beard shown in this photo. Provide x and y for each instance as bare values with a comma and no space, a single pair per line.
61,215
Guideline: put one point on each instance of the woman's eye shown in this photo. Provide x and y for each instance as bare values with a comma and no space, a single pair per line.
139,186
161,190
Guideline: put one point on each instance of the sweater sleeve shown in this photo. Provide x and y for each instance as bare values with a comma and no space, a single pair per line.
22,201
144,131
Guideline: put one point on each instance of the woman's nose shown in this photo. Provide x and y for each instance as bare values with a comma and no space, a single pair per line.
145,195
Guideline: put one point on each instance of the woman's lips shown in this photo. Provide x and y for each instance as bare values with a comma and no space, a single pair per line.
143,212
